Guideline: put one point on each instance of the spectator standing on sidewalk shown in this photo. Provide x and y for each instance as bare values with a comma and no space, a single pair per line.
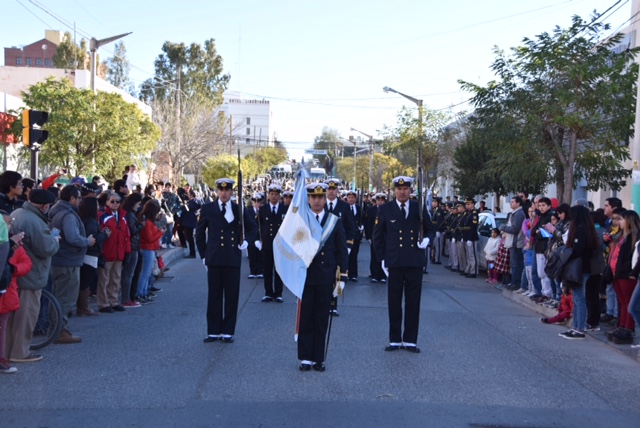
490,254
40,245
66,263
88,213
514,241
149,243
131,206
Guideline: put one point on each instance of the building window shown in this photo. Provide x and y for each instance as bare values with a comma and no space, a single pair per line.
248,131
28,61
38,62
47,62
248,121
18,61
248,141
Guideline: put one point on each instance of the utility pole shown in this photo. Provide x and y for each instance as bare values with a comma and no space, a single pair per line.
230,134
178,124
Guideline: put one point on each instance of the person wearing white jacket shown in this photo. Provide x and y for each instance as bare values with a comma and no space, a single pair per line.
490,254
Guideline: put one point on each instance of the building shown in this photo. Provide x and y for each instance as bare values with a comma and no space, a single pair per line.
37,54
250,121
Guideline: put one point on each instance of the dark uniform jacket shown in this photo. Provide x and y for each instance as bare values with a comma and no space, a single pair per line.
217,240
322,270
269,223
396,238
455,226
437,218
469,225
358,220
342,209
371,220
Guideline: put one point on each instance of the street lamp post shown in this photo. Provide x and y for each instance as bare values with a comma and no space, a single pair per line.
94,45
370,155
419,104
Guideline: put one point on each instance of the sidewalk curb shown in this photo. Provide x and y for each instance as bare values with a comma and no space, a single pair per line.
550,312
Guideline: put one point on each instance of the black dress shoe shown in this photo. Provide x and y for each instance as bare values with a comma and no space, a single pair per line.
106,310
334,313
353,279
227,339
413,349
279,299
392,348
304,367
319,367
210,339
190,256
470,275
266,299
118,308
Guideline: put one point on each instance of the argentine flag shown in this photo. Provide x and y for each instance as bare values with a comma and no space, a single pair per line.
298,239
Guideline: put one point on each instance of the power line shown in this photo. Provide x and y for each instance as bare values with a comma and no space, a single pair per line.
33,13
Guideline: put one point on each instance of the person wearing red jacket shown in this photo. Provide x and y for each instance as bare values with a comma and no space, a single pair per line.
149,244
115,249
565,309
10,301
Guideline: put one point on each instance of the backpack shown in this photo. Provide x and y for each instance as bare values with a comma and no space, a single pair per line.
556,262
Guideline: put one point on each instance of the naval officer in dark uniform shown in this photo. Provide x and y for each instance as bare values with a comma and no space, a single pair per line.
319,285
396,238
270,218
218,240
340,208
358,218
255,255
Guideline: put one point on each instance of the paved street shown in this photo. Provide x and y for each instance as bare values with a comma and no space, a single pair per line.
485,361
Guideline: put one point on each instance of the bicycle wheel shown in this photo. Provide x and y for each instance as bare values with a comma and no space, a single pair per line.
49,322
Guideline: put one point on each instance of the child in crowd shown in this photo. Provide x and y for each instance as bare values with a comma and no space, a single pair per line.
490,254
564,309
20,264
502,264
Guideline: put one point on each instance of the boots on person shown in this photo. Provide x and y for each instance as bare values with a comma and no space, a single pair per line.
83,303
67,337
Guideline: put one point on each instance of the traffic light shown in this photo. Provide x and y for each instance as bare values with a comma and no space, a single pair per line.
32,122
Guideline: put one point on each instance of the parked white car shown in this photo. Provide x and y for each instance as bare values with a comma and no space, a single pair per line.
486,221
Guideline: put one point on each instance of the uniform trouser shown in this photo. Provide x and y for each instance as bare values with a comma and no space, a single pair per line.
447,247
407,281
222,300
66,286
272,281
109,280
255,260
472,266
21,324
353,259
314,321
453,255
375,265
462,254
187,236
436,249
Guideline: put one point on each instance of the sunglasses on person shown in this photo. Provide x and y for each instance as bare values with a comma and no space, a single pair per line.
114,201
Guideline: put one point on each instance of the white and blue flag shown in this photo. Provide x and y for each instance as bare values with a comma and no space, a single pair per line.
298,239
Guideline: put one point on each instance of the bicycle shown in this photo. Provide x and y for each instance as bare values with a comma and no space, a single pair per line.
49,324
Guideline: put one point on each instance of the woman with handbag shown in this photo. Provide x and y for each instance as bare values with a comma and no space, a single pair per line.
149,243
583,242
624,279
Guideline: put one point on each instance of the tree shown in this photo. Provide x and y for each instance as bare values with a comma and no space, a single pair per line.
268,157
385,168
573,96
118,68
401,141
69,55
328,140
226,166
194,70
90,133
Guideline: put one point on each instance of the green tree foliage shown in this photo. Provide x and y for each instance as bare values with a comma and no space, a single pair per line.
570,97
90,133
401,141
69,55
196,70
329,140
118,69
268,157
385,168
226,166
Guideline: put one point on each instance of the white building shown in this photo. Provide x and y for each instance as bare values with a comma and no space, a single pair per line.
251,121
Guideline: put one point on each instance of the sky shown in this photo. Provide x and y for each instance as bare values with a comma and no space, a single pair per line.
320,63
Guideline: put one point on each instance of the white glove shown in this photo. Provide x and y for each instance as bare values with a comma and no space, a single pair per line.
453,240
348,251
437,234
424,244
243,246
204,263
337,290
385,270
369,240
469,243
258,245
361,228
